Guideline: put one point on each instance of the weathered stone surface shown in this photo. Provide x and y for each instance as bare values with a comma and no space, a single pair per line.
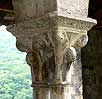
51,31
73,7
67,29
36,8
33,8
50,44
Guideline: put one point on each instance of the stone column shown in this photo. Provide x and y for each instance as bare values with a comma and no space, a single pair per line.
50,31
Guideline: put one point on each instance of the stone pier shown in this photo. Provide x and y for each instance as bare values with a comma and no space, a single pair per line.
52,32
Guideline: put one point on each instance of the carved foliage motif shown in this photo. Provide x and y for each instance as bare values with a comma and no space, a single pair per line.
51,57
50,44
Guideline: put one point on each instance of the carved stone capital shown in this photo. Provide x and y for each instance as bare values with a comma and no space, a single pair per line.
50,44
50,31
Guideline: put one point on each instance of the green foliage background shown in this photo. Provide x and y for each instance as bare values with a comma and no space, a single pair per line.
15,78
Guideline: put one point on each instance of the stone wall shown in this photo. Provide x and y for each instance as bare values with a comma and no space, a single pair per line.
92,65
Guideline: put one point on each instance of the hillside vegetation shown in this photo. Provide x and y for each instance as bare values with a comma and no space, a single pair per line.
15,78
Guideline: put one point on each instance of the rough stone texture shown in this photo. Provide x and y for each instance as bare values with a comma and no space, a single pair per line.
92,65
33,8
67,29
51,54
73,7
36,8
51,41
